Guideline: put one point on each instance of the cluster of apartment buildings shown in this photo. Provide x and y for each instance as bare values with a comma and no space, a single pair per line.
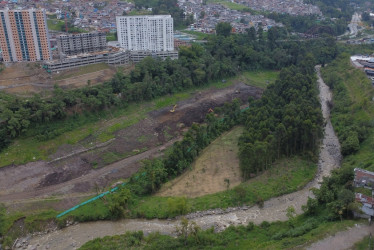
207,16
24,36
364,179
292,7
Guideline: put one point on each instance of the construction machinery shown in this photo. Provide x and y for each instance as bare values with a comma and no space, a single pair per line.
173,110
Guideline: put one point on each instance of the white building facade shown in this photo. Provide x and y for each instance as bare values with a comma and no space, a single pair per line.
146,33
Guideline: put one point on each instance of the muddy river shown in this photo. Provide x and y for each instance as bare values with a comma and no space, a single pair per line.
274,209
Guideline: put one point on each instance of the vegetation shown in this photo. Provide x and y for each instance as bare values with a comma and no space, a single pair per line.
15,225
261,79
366,243
160,7
277,235
230,5
111,37
286,121
353,108
58,25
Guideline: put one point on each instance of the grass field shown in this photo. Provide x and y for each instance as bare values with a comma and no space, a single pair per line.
259,78
80,71
367,243
111,37
216,169
198,35
229,4
54,24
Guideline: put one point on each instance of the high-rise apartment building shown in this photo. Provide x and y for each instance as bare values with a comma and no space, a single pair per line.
81,43
24,35
146,33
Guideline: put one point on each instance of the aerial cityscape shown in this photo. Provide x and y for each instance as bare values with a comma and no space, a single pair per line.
186,124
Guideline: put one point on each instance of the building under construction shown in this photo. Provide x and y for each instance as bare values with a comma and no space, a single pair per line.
112,56
74,44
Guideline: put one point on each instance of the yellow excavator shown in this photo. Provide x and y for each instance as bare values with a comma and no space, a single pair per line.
173,110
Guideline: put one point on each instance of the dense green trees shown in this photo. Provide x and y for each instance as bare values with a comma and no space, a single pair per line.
287,120
223,29
166,7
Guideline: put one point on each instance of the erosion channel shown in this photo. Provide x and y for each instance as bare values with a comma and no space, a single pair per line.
274,209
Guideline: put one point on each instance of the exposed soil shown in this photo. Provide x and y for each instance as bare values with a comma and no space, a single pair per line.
85,172
30,78
216,169
274,209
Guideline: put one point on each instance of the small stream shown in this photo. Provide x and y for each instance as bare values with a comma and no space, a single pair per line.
274,209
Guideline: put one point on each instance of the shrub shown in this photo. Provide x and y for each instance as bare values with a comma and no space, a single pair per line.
265,224
177,206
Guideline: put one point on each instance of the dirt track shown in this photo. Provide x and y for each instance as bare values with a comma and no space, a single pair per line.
273,210
83,173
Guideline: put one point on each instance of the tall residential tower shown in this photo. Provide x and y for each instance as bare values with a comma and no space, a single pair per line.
146,33
24,35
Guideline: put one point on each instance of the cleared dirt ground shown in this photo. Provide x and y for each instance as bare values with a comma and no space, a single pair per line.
84,172
215,170
30,78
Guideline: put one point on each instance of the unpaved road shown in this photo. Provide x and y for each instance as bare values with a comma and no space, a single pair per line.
344,239
274,209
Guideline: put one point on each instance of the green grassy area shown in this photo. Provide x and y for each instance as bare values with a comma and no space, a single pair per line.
285,176
54,24
81,71
111,37
198,35
102,125
26,223
364,191
136,12
242,237
259,78
367,243
229,4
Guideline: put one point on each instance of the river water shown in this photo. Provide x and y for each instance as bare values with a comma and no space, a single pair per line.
73,237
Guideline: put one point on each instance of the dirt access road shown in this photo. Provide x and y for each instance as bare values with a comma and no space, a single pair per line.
274,209
82,173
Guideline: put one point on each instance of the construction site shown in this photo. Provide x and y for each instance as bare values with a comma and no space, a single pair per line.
74,171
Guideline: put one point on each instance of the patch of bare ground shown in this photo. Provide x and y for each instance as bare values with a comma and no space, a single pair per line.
30,78
215,170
